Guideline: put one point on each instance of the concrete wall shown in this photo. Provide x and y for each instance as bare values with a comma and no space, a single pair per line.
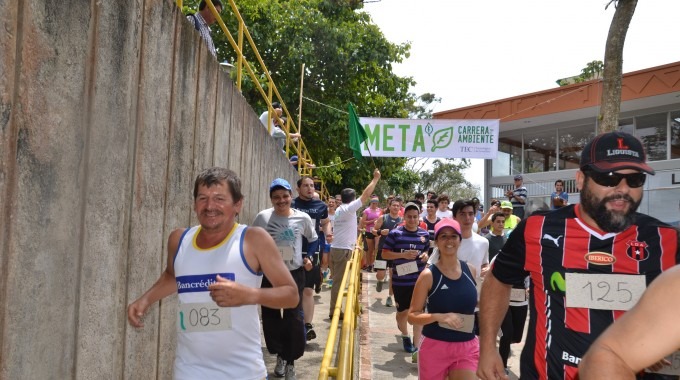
108,110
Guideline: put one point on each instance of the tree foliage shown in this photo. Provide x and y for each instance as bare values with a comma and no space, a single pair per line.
446,177
593,70
347,59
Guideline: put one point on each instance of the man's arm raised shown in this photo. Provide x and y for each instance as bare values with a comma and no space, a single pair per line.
642,336
164,286
493,305
262,255
368,191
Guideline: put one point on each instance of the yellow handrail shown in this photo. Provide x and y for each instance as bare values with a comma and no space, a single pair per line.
345,348
305,162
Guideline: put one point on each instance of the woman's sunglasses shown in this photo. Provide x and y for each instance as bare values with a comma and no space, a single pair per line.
612,179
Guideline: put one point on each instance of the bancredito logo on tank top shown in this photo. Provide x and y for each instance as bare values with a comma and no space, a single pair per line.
200,282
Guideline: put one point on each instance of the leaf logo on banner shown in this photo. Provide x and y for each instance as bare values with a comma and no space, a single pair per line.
442,138
429,129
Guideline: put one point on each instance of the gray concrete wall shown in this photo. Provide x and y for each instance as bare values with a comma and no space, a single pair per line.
108,110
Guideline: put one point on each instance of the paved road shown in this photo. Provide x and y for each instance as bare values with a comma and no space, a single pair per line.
381,353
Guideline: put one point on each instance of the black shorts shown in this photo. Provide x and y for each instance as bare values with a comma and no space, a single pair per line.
313,277
379,257
369,235
402,296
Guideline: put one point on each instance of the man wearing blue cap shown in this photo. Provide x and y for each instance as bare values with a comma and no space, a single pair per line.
284,333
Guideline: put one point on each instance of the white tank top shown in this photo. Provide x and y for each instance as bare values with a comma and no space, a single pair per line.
215,342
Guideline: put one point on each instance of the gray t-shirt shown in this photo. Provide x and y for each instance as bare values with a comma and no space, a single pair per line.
287,232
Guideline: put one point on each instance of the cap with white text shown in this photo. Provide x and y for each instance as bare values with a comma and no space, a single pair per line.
614,151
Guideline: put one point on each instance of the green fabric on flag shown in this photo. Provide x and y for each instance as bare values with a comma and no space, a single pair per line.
357,134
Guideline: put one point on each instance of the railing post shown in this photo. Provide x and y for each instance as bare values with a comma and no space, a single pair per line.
239,64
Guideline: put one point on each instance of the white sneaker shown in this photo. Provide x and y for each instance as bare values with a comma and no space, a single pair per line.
280,369
290,372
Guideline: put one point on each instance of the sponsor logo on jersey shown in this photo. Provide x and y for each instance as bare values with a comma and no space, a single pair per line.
557,282
286,235
200,282
567,357
600,258
637,250
555,240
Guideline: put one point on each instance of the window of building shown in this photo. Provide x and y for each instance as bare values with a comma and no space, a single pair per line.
675,134
652,130
572,140
509,160
663,204
539,151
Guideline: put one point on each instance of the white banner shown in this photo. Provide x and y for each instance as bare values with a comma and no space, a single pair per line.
439,138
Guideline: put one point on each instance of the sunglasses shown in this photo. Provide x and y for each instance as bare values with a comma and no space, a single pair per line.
612,179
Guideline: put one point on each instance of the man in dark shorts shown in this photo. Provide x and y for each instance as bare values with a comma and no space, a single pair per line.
318,211
407,246
588,263
389,221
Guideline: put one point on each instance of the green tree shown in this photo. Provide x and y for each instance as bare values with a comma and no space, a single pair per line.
446,177
347,59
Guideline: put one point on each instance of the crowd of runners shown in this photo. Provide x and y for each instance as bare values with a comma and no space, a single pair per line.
460,281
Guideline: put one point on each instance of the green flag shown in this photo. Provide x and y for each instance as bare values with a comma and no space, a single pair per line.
357,134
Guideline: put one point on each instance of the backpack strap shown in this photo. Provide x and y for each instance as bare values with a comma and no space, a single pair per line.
194,20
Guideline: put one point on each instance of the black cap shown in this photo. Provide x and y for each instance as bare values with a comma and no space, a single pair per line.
613,151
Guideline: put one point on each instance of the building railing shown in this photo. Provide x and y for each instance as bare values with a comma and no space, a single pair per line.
305,162
350,288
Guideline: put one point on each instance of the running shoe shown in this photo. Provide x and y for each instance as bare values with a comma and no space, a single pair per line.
379,286
408,345
310,331
330,283
290,372
325,274
414,357
389,302
280,369
317,288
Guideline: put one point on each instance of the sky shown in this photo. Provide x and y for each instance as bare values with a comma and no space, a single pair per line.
473,51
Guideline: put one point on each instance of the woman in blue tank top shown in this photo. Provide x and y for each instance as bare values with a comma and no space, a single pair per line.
449,348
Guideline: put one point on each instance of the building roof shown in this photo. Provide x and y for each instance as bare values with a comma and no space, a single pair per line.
652,87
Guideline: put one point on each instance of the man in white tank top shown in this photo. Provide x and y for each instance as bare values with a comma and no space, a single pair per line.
216,267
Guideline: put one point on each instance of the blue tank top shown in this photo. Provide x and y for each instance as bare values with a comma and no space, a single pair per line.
450,296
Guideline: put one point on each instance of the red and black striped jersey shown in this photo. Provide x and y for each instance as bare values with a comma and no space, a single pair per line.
549,246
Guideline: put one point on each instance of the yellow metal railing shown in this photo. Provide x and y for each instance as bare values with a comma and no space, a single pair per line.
305,162
345,348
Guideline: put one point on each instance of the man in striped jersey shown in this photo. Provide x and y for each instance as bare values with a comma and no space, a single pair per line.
588,263
407,246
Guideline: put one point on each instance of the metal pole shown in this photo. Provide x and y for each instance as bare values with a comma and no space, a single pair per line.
299,125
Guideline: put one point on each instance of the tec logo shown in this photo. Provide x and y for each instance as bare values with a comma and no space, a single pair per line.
637,250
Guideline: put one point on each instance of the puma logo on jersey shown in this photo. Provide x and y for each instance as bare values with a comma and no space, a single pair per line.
555,240
444,287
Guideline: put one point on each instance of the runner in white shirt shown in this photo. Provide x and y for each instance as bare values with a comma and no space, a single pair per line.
443,210
345,233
